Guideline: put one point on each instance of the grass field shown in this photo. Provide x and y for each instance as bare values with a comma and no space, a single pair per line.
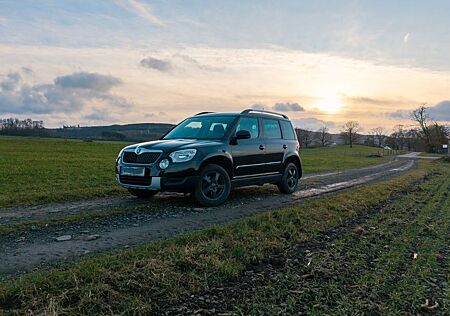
38,171
369,268
340,157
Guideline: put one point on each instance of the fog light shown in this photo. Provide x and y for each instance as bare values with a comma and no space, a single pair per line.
163,164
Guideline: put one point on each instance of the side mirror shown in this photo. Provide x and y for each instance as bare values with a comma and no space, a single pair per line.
243,134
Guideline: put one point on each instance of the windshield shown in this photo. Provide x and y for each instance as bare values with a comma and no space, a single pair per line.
202,127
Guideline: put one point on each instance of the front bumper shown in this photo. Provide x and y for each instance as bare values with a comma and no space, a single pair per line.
186,184
179,177
155,184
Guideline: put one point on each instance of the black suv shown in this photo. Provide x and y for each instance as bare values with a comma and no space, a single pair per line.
209,153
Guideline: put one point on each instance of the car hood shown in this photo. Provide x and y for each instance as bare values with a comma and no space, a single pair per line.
169,145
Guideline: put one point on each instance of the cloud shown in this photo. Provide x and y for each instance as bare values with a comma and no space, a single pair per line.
141,9
280,106
194,62
27,70
165,65
312,124
406,38
399,114
258,106
3,21
86,80
11,81
67,94
288,107
368,100
440,111
154,63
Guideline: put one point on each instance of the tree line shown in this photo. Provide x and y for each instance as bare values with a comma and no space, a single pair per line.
425,135
26,127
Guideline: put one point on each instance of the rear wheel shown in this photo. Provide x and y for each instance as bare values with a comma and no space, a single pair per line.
143,194
289,181
213,187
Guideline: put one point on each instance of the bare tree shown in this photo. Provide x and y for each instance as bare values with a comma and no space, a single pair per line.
350,132
304,136
399,136
432,133
379,134
422,118
324,136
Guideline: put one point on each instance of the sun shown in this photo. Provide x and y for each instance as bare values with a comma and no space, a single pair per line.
330,103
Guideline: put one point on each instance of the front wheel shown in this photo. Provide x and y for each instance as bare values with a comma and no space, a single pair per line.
289,181
143,194
213,187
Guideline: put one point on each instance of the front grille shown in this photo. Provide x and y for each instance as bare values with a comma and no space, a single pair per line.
131,157
144,181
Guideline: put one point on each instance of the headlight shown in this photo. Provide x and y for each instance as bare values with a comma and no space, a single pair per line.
183,155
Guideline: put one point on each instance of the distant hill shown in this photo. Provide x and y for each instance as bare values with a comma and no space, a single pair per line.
128,132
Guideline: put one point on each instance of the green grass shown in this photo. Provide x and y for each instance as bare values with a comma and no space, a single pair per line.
144,278
340,157
38,171
370,269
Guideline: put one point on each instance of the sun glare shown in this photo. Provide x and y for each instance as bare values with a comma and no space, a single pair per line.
329,104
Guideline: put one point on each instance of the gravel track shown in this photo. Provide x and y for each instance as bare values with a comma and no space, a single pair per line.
163,217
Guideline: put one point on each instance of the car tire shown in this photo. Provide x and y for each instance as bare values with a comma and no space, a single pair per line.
289,182
143,194
213,187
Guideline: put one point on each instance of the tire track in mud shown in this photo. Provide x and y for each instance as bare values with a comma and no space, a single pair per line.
166,217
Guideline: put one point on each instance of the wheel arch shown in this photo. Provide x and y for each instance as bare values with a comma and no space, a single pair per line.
220,160
297,161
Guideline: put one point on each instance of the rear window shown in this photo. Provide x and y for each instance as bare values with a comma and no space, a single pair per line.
288,131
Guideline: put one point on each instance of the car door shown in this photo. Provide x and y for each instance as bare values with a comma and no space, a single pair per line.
248,154
274,144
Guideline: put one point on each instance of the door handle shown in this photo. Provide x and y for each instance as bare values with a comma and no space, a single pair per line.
285,146
262,147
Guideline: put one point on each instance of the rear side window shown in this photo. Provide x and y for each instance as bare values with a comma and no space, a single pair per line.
249,124
271,129
288,131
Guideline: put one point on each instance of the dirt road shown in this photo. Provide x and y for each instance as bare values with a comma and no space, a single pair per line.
128,221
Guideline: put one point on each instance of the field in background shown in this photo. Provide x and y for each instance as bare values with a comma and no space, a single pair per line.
341,157
39,170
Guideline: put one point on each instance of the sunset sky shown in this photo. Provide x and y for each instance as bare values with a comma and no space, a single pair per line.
128,61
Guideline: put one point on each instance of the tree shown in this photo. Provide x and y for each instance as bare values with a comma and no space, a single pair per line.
399,136
304,136
379,134
350,132
432,133
324,136
421,117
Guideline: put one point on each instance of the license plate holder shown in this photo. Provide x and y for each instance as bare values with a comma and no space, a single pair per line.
133,171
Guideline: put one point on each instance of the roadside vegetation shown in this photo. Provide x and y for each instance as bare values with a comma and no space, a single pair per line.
390,254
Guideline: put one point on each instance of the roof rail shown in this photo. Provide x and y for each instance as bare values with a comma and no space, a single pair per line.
201,113
264,111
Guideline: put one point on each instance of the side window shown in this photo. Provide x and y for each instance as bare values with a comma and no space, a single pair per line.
271,129
249,124
288,131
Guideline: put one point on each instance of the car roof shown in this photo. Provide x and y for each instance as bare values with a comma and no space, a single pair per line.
248,112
